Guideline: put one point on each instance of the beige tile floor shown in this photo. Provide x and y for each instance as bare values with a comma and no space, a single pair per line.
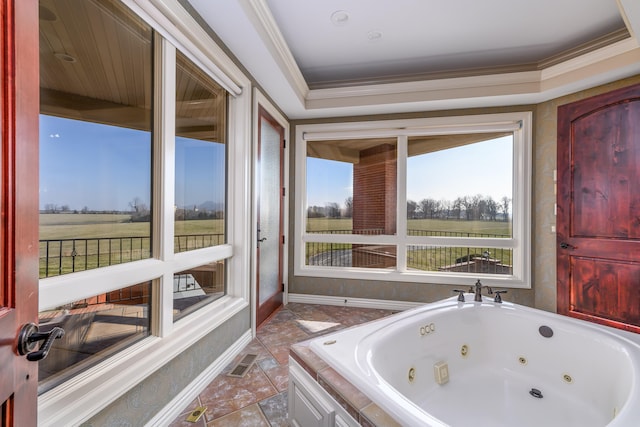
260,397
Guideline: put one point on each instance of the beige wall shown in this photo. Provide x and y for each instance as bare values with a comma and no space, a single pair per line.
140,404
543,292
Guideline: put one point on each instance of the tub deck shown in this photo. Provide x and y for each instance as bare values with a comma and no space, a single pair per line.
359,406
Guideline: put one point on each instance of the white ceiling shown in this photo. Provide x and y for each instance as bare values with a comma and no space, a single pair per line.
331,58
413,37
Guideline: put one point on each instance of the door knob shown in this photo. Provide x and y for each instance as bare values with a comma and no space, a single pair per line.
30,335
565,245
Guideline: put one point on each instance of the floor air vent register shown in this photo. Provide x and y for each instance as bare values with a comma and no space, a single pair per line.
243,366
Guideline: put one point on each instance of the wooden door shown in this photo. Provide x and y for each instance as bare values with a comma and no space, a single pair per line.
598,222
270,185
19,102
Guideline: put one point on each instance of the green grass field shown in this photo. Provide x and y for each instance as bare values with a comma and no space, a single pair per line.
88,226
499,228
98,240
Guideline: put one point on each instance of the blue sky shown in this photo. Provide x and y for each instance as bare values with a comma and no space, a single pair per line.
481,168
200,172
98,166
106,167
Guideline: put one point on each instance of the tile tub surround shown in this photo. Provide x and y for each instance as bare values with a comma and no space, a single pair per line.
359,406
260,397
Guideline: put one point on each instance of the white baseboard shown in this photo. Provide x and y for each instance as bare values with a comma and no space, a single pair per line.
178,404
353,302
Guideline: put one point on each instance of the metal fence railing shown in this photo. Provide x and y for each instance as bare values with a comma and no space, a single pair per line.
420,257
63,256
188,242
411,232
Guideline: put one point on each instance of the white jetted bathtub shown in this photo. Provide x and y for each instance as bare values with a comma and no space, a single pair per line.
487,364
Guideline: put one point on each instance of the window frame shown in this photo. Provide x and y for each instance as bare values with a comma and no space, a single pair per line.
85,394
520,123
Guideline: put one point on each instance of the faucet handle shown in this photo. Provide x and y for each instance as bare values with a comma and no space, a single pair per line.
498,298
460,294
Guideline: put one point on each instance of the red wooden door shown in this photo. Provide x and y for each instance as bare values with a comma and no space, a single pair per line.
598,223
19,102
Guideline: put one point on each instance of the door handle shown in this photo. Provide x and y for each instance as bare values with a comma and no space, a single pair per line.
30,335
258,237
565,245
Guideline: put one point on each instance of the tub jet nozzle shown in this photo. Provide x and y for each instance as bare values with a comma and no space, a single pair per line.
535,393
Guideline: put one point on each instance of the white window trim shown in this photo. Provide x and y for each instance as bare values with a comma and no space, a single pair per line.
84,395
518,122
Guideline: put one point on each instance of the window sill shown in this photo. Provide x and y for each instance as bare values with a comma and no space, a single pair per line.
458,279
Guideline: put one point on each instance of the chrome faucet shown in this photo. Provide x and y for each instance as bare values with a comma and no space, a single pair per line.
477,290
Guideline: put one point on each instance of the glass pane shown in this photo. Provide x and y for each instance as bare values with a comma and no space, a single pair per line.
350,255
197,287
201,111
460,185
95,137
269,209
460,259
352,186
95,328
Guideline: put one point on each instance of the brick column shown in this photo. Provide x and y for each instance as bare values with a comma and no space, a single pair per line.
374,203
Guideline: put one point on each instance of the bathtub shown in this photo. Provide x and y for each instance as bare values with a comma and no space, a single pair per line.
487,364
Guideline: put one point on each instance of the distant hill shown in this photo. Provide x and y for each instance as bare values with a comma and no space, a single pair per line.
211,206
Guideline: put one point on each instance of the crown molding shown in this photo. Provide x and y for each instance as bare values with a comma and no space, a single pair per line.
536,83
630,11
586,48
264,22
626,46
613,56
432,89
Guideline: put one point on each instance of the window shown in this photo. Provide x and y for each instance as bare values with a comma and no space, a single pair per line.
201,107
95,328
460,186
195,287
95,138
439,200
135,136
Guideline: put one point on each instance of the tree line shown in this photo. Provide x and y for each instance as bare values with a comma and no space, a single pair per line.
139,211
469,208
